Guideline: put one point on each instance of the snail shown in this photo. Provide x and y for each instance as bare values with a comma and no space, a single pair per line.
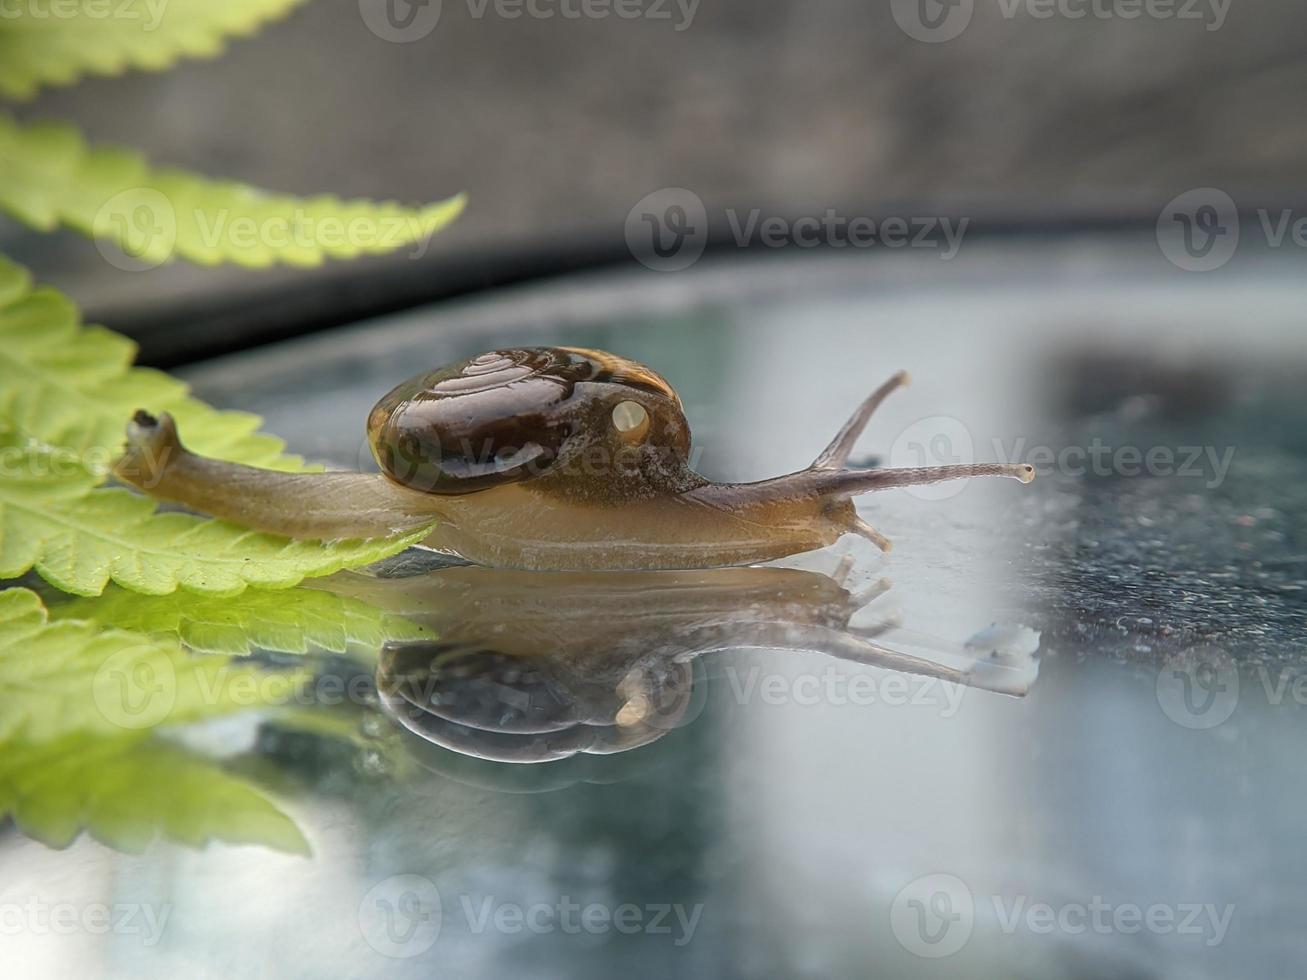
537,668
541,458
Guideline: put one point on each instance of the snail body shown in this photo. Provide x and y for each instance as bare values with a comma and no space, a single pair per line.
543,458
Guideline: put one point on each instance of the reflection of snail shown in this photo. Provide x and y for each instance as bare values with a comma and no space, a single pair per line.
540,458
532,668
493,705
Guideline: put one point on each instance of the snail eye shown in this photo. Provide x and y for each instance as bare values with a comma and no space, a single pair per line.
631,421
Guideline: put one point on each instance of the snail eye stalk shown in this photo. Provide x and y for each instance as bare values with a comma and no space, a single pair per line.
631,421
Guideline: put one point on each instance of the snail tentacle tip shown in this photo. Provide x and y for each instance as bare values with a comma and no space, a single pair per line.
870,593
1025,473
861,527
146,429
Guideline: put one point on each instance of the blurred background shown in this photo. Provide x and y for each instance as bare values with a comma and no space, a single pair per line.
1015,114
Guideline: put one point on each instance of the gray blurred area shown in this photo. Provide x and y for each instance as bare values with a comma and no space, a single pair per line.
557,127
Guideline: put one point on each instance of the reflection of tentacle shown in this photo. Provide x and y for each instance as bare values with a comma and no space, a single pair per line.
870,593
1023,644
873,630
984,675
1010,673
843,645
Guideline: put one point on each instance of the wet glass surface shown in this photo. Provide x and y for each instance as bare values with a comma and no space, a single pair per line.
716,774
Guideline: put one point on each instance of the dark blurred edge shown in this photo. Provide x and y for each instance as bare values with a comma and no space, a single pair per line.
179,333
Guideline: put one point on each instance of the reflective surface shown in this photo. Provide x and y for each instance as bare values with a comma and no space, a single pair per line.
786,812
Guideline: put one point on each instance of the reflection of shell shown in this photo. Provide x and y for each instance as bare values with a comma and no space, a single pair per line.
493,705
490,370
478,687
611,369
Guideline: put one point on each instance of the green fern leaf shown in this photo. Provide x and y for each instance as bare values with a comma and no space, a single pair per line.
75,676
72,386
52,178
79,709
291,621
64,42
65,393
127,792
78,539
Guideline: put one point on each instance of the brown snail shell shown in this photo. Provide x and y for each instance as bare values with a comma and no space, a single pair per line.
516,414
